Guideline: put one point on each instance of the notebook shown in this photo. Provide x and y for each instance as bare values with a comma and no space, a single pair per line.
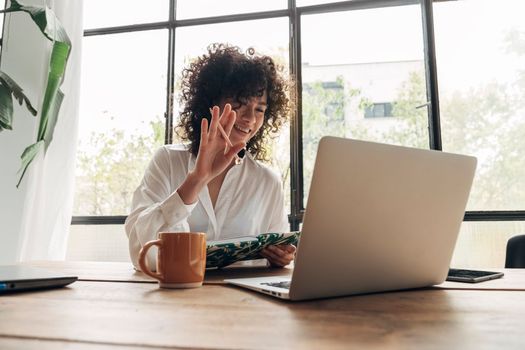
378,218
21,278
225,252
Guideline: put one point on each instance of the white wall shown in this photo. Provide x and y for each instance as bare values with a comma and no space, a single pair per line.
25,53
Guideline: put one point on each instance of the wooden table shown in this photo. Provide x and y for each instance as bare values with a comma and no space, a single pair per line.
93,314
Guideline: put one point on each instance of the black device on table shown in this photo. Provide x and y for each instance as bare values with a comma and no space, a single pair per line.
14,278
472,276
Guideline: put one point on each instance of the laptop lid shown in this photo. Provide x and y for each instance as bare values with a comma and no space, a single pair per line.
379,217
19,278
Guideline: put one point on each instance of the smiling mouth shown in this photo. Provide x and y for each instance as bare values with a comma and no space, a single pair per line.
241,129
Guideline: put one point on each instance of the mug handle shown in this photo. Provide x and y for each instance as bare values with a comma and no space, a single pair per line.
142,259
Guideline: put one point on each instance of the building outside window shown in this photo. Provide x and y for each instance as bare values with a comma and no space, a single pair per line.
379,110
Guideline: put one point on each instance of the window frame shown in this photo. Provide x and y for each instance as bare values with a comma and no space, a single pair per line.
294,15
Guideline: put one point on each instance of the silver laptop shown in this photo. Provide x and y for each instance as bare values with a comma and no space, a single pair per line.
14,278
378,218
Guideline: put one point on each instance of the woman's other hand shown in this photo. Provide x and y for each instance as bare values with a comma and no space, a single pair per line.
279,255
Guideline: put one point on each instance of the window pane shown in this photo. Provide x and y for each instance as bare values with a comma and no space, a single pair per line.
112,13
483,244
367,86
122,104
192,42
208,8
481,66
97,243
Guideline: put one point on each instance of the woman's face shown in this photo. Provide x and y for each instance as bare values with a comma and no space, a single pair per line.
250,118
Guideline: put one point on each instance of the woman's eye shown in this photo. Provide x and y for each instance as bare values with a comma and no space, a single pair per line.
260,110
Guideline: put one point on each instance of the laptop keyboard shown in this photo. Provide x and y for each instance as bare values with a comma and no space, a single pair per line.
283,284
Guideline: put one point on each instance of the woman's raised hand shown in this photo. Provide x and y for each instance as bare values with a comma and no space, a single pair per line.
214,152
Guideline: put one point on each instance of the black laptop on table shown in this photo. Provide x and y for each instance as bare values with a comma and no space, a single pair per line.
15,278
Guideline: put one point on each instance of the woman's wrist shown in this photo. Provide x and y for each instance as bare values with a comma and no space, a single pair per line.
191,187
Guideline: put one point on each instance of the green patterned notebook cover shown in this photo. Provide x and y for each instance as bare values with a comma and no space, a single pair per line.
224,253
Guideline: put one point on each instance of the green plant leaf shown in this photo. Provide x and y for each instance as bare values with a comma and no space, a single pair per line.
6,108
53,96
10,88
52,29
44,18
53,118
17,91
27,157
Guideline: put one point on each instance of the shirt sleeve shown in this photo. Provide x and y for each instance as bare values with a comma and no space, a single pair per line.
156,207
279,219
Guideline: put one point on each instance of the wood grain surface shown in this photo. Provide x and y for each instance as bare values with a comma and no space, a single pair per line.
95,315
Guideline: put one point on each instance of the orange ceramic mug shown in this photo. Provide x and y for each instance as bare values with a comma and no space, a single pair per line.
181,259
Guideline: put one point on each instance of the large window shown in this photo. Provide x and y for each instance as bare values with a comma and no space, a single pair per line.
444,76
121,117
380,59
480,49
482,89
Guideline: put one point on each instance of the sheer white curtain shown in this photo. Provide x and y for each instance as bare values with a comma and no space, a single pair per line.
36,216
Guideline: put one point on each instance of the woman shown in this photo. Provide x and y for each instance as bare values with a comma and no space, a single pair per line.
205,186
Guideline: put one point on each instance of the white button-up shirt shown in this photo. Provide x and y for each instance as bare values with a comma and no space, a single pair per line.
250,202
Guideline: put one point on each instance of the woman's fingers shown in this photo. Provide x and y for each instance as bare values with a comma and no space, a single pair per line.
277,255
204,132
232,117
272,258
285,252
222,124
232,152
226,121
226,111
214,121
290,248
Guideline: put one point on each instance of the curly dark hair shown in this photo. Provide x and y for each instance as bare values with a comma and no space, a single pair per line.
226,72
